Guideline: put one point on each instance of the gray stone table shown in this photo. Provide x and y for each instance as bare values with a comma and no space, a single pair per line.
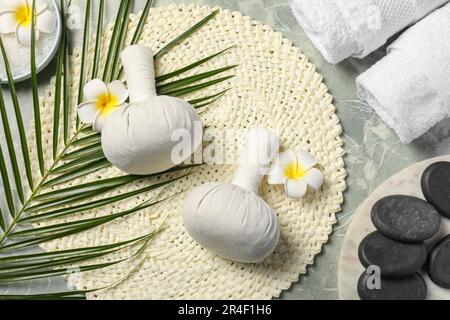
374,152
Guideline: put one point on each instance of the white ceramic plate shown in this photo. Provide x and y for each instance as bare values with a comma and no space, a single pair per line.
51,54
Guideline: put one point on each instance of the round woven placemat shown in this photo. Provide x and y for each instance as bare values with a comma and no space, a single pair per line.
274,86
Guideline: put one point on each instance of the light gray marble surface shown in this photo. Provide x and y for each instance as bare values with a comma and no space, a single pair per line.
374,152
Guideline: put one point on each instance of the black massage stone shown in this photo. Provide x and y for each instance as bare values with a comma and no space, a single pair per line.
405,218
395,259
409,288
438,266
436,186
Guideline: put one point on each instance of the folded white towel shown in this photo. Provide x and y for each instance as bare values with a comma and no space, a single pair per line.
410,87
344,28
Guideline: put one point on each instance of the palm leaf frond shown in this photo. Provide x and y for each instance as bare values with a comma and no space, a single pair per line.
98,39
121,39
90,139
64,168
88,205
191,89
66,79
34,87
170,86
85,51
50,199
185,34
6,187
139,29
206,101
113,42
8,134
189,67
142,21
82,171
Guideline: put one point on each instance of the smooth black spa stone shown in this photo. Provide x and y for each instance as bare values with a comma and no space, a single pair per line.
395,259
405,218
436,186
409,288
438,265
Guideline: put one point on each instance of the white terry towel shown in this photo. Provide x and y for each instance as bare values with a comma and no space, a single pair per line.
343,28
410,87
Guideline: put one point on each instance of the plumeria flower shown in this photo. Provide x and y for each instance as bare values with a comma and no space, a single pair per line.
296,171
16,16
101,101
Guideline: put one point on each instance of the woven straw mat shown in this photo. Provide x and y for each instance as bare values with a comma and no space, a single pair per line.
274,86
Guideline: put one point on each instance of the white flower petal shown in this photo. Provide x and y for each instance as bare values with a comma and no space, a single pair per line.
46,22
99,122
13,4
41,5
94,89
8,22
295,189
314,178
23,35
87,112
306,160
276,175
286,158
118,89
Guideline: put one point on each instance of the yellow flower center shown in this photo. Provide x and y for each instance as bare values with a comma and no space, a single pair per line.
295,171
23,15
106,103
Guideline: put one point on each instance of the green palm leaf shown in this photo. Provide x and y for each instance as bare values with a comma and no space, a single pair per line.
2,221
34,86
85,50
80,155
82,171
78,163
10,143
121,39
98,39
185,35
78,224
58,92
170,86
113,42
88,205
139,29
189,67
46,256
190,89
66,80
206,101
90,149
19,119
90,139
6,186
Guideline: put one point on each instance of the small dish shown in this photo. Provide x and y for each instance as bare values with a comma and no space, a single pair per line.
51,53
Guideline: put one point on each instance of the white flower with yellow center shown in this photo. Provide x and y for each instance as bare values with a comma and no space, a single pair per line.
102,100
16,16
296,171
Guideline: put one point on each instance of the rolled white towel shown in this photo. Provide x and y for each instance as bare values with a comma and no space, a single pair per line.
343,28
410,87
